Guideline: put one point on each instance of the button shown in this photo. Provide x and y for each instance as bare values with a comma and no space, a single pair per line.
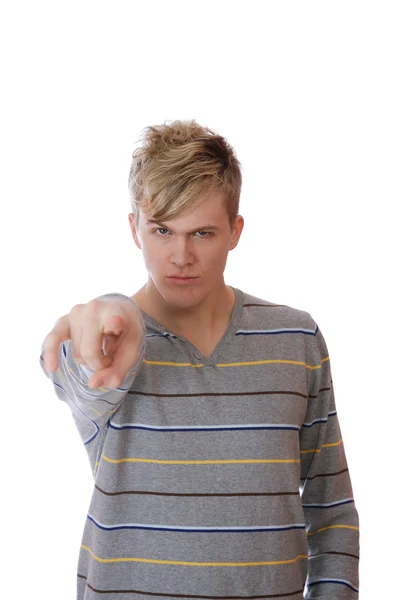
197,354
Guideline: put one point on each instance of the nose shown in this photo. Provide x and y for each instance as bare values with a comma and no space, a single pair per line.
182,253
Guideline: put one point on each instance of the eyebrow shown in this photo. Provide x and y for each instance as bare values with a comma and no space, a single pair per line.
165,226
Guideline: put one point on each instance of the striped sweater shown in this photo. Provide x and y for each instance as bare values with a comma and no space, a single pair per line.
217,477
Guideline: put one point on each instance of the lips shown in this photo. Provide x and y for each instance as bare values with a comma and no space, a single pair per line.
179,281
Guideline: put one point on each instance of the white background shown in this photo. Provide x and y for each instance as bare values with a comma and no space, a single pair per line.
308,95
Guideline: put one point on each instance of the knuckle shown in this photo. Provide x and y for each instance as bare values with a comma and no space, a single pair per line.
92,304
75,309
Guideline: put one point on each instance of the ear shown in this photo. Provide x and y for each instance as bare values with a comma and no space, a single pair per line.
237,231
134,230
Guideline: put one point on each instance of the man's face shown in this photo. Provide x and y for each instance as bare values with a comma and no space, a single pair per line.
193,245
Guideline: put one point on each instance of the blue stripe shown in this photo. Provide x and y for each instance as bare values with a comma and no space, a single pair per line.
160,335
330,505
119,426
197,529
249,332
340,581
322,420
274,331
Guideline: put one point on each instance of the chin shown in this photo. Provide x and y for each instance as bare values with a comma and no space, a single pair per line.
183,295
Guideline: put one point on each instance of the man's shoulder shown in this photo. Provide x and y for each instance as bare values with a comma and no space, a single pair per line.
261,309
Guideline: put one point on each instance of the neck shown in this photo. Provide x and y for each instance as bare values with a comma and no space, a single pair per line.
209,315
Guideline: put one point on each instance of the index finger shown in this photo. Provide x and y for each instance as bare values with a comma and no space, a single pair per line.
125,356
96,323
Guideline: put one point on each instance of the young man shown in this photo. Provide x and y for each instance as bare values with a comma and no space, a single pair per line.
219,464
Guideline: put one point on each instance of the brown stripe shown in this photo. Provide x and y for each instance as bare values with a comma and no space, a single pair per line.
341,553
267,305
188,595
326,474
288,392
197,495
319,391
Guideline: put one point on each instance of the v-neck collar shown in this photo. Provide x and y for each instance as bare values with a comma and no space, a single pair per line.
197,355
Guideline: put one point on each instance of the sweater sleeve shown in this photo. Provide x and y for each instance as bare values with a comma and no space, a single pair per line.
330,513
91,408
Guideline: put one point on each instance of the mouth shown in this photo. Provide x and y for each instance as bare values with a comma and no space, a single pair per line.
182,279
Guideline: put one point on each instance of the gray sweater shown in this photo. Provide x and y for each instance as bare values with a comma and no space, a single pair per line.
217,477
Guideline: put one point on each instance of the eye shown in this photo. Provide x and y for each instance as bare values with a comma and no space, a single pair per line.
207,233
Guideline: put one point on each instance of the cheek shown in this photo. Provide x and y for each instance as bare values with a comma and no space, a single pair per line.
150,259
215,253
156,260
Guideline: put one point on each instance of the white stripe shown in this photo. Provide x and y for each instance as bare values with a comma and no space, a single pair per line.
317,421
296,329
330,503
200,427
331,579
189,528
322,420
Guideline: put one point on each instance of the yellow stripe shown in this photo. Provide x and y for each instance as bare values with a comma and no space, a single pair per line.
194,564
237,364
323,446
334,527
332,444
70,370
170,364
62,374
211,462
199,462
102,389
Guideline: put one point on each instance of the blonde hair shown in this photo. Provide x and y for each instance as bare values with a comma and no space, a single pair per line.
178,165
